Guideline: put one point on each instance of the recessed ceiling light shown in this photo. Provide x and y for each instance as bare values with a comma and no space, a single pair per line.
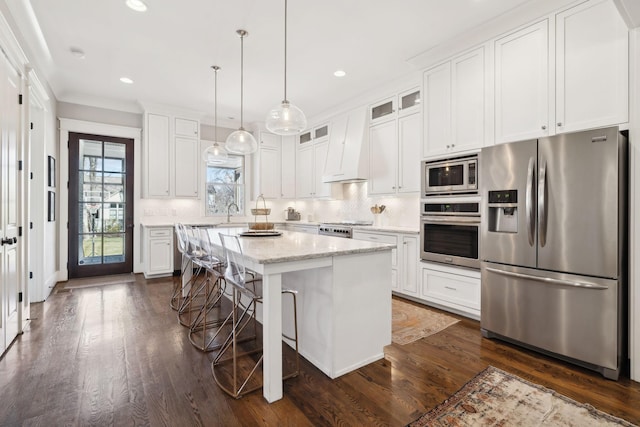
339,73
137,5
126,80
77,52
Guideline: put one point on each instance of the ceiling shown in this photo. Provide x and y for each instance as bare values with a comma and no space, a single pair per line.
168,50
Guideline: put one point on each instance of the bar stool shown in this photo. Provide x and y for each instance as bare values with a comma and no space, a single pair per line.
179,286
205,325
197,292
246,294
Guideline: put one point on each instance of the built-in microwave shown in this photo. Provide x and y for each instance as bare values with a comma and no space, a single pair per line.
450,176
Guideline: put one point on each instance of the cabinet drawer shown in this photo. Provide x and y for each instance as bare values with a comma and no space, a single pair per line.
461,290
160,232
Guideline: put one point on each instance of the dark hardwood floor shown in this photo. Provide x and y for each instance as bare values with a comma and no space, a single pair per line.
116,355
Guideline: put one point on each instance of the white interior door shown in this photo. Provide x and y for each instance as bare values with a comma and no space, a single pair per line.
9,255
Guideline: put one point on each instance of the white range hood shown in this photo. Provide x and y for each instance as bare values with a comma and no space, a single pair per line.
348,153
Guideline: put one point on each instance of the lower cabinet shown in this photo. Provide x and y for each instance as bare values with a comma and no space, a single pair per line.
404,259
452,289
158,251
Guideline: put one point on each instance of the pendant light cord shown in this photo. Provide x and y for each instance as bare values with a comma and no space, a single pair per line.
215,105
285,51
242,80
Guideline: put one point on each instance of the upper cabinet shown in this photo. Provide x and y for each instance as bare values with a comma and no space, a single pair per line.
170,156
588,87
522,89
267,162
311,158
455,105
394,148
288,169
592,81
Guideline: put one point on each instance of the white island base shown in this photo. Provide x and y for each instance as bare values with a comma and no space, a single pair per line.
344,311
344,300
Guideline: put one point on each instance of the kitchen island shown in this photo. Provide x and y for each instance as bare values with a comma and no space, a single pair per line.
344,299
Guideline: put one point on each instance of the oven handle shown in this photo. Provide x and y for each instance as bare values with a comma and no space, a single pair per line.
451,220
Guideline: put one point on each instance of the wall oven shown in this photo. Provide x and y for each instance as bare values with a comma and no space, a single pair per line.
450,231
450,176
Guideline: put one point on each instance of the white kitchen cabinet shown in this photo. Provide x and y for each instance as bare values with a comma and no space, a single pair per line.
394,151
187,127
311,157
186,155
592,81
383,158
267,168
288,167
409,148
409,102
409,267
450,288
305,183
158,244
383,238
455,105
383,110
522,88
157,161
404,259
171,156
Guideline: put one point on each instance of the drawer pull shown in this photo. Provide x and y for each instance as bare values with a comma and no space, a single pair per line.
450,288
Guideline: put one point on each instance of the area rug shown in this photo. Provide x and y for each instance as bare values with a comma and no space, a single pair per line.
497,398
411,322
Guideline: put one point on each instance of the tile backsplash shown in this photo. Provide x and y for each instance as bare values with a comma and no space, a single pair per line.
400,211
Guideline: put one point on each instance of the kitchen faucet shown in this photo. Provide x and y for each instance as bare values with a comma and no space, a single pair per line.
229,210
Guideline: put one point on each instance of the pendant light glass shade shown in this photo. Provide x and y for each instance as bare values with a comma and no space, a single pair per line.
241,141
286,118
215,154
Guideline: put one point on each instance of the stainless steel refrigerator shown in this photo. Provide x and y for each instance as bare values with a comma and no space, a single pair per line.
554,246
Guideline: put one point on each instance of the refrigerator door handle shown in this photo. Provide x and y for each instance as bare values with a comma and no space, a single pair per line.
531,225
587,285
542,208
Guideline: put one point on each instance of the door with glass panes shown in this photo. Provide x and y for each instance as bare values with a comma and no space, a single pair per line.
100,205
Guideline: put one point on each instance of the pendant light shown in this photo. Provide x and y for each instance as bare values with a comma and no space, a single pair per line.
241,141
286,118
215,154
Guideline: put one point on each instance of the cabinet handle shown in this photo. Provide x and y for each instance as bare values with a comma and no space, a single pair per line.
544,127
450,288
559,123
394,187
448,146
453,145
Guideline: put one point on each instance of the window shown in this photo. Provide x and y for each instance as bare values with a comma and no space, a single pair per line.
225,185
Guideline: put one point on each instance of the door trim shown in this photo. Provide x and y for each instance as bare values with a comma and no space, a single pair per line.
80,126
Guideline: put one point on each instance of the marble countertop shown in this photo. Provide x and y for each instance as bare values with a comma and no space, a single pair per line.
292,246
239,223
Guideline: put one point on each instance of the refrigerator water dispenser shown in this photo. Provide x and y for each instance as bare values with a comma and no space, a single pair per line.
503,211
